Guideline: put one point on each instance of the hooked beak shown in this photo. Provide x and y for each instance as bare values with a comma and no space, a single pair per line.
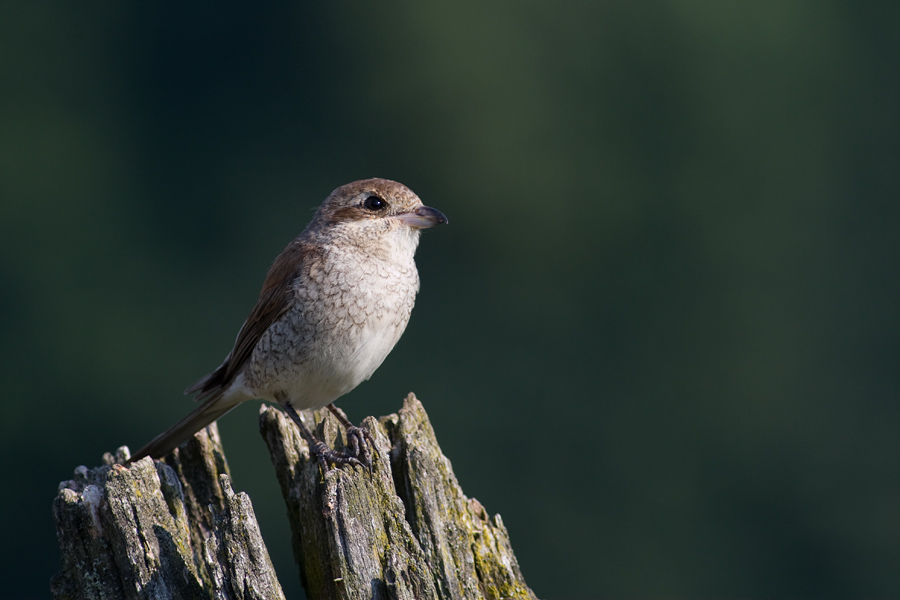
423,217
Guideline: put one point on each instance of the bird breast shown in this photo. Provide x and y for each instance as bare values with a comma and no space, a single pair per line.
350,308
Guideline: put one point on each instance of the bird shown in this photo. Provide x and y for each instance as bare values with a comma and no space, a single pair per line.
332,306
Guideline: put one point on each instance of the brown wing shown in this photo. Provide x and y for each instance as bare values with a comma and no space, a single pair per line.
275,299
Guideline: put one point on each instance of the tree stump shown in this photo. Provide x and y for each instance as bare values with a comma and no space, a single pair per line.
175,529
161,529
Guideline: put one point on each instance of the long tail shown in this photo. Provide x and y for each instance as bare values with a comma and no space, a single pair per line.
211,409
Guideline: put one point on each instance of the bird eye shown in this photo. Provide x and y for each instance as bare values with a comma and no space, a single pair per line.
374,203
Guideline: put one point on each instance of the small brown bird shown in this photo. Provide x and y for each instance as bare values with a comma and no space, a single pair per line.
332,306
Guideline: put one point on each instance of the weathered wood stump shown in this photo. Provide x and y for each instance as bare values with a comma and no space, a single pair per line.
175,529
161,529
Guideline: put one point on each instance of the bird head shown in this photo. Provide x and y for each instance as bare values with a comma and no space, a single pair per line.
372,209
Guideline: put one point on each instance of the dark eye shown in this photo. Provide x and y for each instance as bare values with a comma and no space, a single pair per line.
374,203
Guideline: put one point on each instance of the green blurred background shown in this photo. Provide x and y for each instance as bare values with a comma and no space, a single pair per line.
661,335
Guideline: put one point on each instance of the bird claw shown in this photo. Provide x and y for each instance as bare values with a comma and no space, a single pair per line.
328,457
358,440
356,452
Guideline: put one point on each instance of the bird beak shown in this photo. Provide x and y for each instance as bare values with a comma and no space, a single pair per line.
423,217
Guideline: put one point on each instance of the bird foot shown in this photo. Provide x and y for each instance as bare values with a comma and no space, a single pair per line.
355,453
358,440
356,450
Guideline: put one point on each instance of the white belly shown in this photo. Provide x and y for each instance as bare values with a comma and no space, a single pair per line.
328,376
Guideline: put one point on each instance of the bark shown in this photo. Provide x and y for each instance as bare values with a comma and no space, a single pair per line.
155,529
405,530
175,529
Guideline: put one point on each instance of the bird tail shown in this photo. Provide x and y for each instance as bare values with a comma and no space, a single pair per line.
211,409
